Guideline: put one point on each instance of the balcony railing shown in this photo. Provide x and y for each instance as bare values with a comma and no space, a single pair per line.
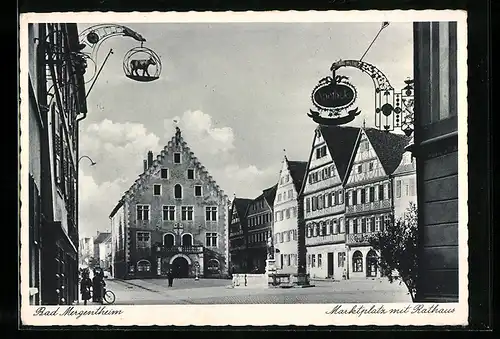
359,238
180,249
324,239
375,205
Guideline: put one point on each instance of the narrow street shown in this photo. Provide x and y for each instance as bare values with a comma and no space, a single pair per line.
217,291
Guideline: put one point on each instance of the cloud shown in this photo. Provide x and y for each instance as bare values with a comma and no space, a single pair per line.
96,203
198,130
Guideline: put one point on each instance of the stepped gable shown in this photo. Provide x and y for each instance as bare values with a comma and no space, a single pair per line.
297,171
388,146
176,142
341,141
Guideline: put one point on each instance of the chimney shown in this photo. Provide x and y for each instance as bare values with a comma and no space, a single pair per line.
145,165
150,159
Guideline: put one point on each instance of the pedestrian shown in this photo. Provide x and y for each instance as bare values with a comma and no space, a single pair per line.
97,286
85,285
170,277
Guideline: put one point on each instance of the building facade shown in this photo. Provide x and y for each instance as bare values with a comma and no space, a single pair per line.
436,150
323,196
238,250
369,196
405,187
102,249
285,227
86,251
174,217
260,225
56,100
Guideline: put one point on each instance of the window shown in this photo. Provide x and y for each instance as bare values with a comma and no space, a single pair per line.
363,196
342,225
369,225
360,168
412,187
168,213
143,212
323,228
377,224
315,230
287,236
178,191
398,189
164,173
157,190
187,213
169,240
341,259
287,213
143,266
313,262
143,239
187,240
357,262
320,152
341,197
279,197
370,166
381,192
335,226
198,191
319,260
211,213
354,197
309,231
177,158
211,239
308,205
190,173
372,194
407,189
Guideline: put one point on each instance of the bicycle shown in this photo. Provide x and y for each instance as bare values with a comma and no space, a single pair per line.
108,297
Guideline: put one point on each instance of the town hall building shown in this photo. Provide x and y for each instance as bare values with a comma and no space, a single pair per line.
174,217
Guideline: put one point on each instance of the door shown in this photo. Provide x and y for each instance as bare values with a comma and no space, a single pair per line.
180,267
330,264
371,264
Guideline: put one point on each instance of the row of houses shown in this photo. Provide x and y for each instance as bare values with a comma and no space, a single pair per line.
95,251
353,182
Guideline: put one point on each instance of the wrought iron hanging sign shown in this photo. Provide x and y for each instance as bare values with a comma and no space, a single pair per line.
139,63
332,98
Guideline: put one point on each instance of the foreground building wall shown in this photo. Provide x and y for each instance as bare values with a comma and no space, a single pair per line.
436,150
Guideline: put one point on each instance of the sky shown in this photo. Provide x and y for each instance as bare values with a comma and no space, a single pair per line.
240,93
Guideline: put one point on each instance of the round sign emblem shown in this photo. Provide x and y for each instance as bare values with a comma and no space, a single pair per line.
333,95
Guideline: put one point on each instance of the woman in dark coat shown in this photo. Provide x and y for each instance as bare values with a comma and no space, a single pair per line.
97,285
85,285
170,277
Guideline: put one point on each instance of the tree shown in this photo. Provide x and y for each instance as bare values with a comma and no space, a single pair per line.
398,248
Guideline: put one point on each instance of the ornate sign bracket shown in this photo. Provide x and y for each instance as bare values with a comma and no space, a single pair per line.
392,110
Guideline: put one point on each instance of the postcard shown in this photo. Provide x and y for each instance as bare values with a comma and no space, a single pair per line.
244,168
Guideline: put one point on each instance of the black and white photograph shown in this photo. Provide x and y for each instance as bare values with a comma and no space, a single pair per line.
290,168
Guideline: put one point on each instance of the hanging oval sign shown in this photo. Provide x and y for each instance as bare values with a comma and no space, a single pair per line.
333,95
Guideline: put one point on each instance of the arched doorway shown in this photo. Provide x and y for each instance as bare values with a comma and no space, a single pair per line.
357,262
180,267
371,264
187,240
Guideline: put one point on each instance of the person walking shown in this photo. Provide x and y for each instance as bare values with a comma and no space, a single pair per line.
85,285
98,286
170,277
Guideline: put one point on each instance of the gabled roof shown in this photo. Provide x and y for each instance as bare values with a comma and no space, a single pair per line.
388,146
340,141
102,237
297,172
241,206
270,194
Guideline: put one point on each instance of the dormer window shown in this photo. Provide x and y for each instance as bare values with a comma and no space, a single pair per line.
164,173
177,158
190,173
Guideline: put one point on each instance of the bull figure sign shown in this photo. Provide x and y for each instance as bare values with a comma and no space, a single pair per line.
143,65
